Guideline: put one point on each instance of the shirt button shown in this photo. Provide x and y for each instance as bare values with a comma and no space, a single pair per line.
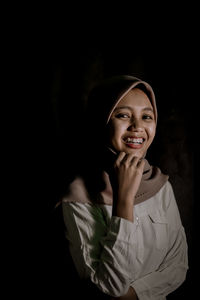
137,220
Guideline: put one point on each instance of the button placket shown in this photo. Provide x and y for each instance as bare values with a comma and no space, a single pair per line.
137,220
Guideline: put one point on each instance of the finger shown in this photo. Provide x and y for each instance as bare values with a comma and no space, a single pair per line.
141,164
127,158
135,160
120,158
131,158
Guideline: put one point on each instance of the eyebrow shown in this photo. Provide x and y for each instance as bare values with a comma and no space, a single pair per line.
130,108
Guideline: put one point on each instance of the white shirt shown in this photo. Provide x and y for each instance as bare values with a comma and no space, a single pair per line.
149,254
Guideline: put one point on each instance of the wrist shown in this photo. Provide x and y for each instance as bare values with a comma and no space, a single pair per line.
124,198
123,210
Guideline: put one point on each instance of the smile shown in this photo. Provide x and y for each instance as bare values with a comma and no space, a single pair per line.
134,142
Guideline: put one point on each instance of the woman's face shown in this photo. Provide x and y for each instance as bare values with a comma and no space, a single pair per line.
132,124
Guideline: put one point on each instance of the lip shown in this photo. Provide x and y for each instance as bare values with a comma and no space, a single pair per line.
131,145
139,146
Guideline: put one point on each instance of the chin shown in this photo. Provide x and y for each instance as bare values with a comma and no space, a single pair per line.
134,151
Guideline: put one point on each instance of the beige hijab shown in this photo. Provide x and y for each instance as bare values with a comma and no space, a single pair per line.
109,93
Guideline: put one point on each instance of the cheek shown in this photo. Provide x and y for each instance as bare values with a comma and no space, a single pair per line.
115,134
116,130
151,131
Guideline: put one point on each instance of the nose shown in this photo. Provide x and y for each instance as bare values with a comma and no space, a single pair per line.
135,125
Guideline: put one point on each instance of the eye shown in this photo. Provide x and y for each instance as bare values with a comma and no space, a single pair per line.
122,116
147,117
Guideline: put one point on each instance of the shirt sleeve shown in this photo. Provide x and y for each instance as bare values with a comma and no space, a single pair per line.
172,271
105,255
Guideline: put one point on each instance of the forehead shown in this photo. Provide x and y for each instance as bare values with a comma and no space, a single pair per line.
135,97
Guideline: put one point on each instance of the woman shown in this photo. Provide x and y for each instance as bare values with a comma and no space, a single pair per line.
122,222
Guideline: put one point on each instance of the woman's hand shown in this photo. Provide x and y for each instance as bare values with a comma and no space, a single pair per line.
125,181
128,170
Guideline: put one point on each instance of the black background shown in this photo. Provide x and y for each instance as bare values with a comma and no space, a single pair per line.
63,55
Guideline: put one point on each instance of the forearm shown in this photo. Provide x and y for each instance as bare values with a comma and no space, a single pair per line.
131,295
123,208
125,183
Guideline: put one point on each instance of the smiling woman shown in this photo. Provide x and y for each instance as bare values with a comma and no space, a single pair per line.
121,218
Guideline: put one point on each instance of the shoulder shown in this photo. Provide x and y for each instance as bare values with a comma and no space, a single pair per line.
166,190
77,202
161,207
161,200
76,192
165,196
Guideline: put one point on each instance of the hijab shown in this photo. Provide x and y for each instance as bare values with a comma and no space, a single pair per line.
101,103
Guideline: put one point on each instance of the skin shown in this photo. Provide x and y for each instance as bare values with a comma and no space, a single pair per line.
138,120
133,117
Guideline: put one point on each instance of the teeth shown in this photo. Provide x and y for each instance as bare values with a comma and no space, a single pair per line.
135,140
